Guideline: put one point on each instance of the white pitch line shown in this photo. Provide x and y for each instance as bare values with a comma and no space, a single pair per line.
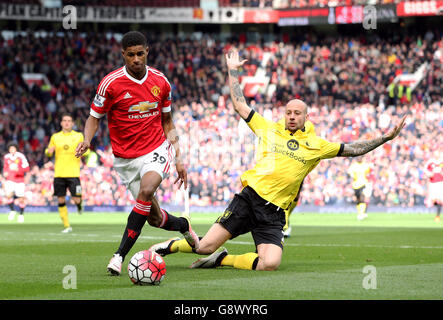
73,237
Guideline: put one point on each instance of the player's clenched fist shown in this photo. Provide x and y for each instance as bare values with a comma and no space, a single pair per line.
81,148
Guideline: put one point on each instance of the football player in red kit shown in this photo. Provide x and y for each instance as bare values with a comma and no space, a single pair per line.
14,169
137,101
434,170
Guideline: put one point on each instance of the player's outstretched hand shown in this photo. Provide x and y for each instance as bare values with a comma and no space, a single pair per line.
182,175
391,134
81,148
233,60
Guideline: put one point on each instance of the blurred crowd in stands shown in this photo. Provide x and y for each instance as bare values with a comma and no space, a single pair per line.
344,80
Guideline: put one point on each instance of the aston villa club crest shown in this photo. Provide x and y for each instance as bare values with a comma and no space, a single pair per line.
293,144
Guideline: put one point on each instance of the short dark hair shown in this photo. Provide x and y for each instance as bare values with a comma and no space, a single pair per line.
12,144
134,38
65,114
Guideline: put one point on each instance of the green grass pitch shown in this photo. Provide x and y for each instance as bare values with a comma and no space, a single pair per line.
324,259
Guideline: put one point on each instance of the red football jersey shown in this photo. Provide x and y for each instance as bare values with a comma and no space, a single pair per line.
134,110
15,166
435,169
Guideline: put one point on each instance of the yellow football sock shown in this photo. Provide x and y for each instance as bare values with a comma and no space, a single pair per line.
181,246
363,207
243,261
64,215
287,215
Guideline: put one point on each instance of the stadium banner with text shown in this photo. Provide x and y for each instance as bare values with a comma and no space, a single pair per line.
355,14
420,8
13,11
349,14
338,15
308,16
291,17
261,16
221,15
387,13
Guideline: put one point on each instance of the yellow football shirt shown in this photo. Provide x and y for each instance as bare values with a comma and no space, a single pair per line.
283,159
359,172
309,129
66,164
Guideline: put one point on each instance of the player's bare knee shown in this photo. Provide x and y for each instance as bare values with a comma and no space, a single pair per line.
147,193
268,264
271,267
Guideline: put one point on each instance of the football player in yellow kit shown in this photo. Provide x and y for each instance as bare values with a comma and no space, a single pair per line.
66,168
286,156
359,171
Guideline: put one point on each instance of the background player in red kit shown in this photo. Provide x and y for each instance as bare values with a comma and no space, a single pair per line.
14,169
137,101
434,170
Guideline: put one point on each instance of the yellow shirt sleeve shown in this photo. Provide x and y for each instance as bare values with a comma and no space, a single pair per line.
329,149
258,124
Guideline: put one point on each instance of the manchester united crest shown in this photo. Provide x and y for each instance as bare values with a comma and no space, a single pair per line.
155,90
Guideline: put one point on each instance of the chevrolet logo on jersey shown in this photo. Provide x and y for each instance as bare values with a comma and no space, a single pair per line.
143,107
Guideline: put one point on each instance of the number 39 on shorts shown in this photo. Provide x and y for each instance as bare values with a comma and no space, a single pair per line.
158,158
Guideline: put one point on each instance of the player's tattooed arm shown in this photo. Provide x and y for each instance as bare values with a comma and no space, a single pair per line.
238,100
359,148
235,87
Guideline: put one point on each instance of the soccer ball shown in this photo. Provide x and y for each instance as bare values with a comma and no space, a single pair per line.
146,268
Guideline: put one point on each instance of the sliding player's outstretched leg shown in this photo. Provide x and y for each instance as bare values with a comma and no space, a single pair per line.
169,222
164,248
212,261
213,239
